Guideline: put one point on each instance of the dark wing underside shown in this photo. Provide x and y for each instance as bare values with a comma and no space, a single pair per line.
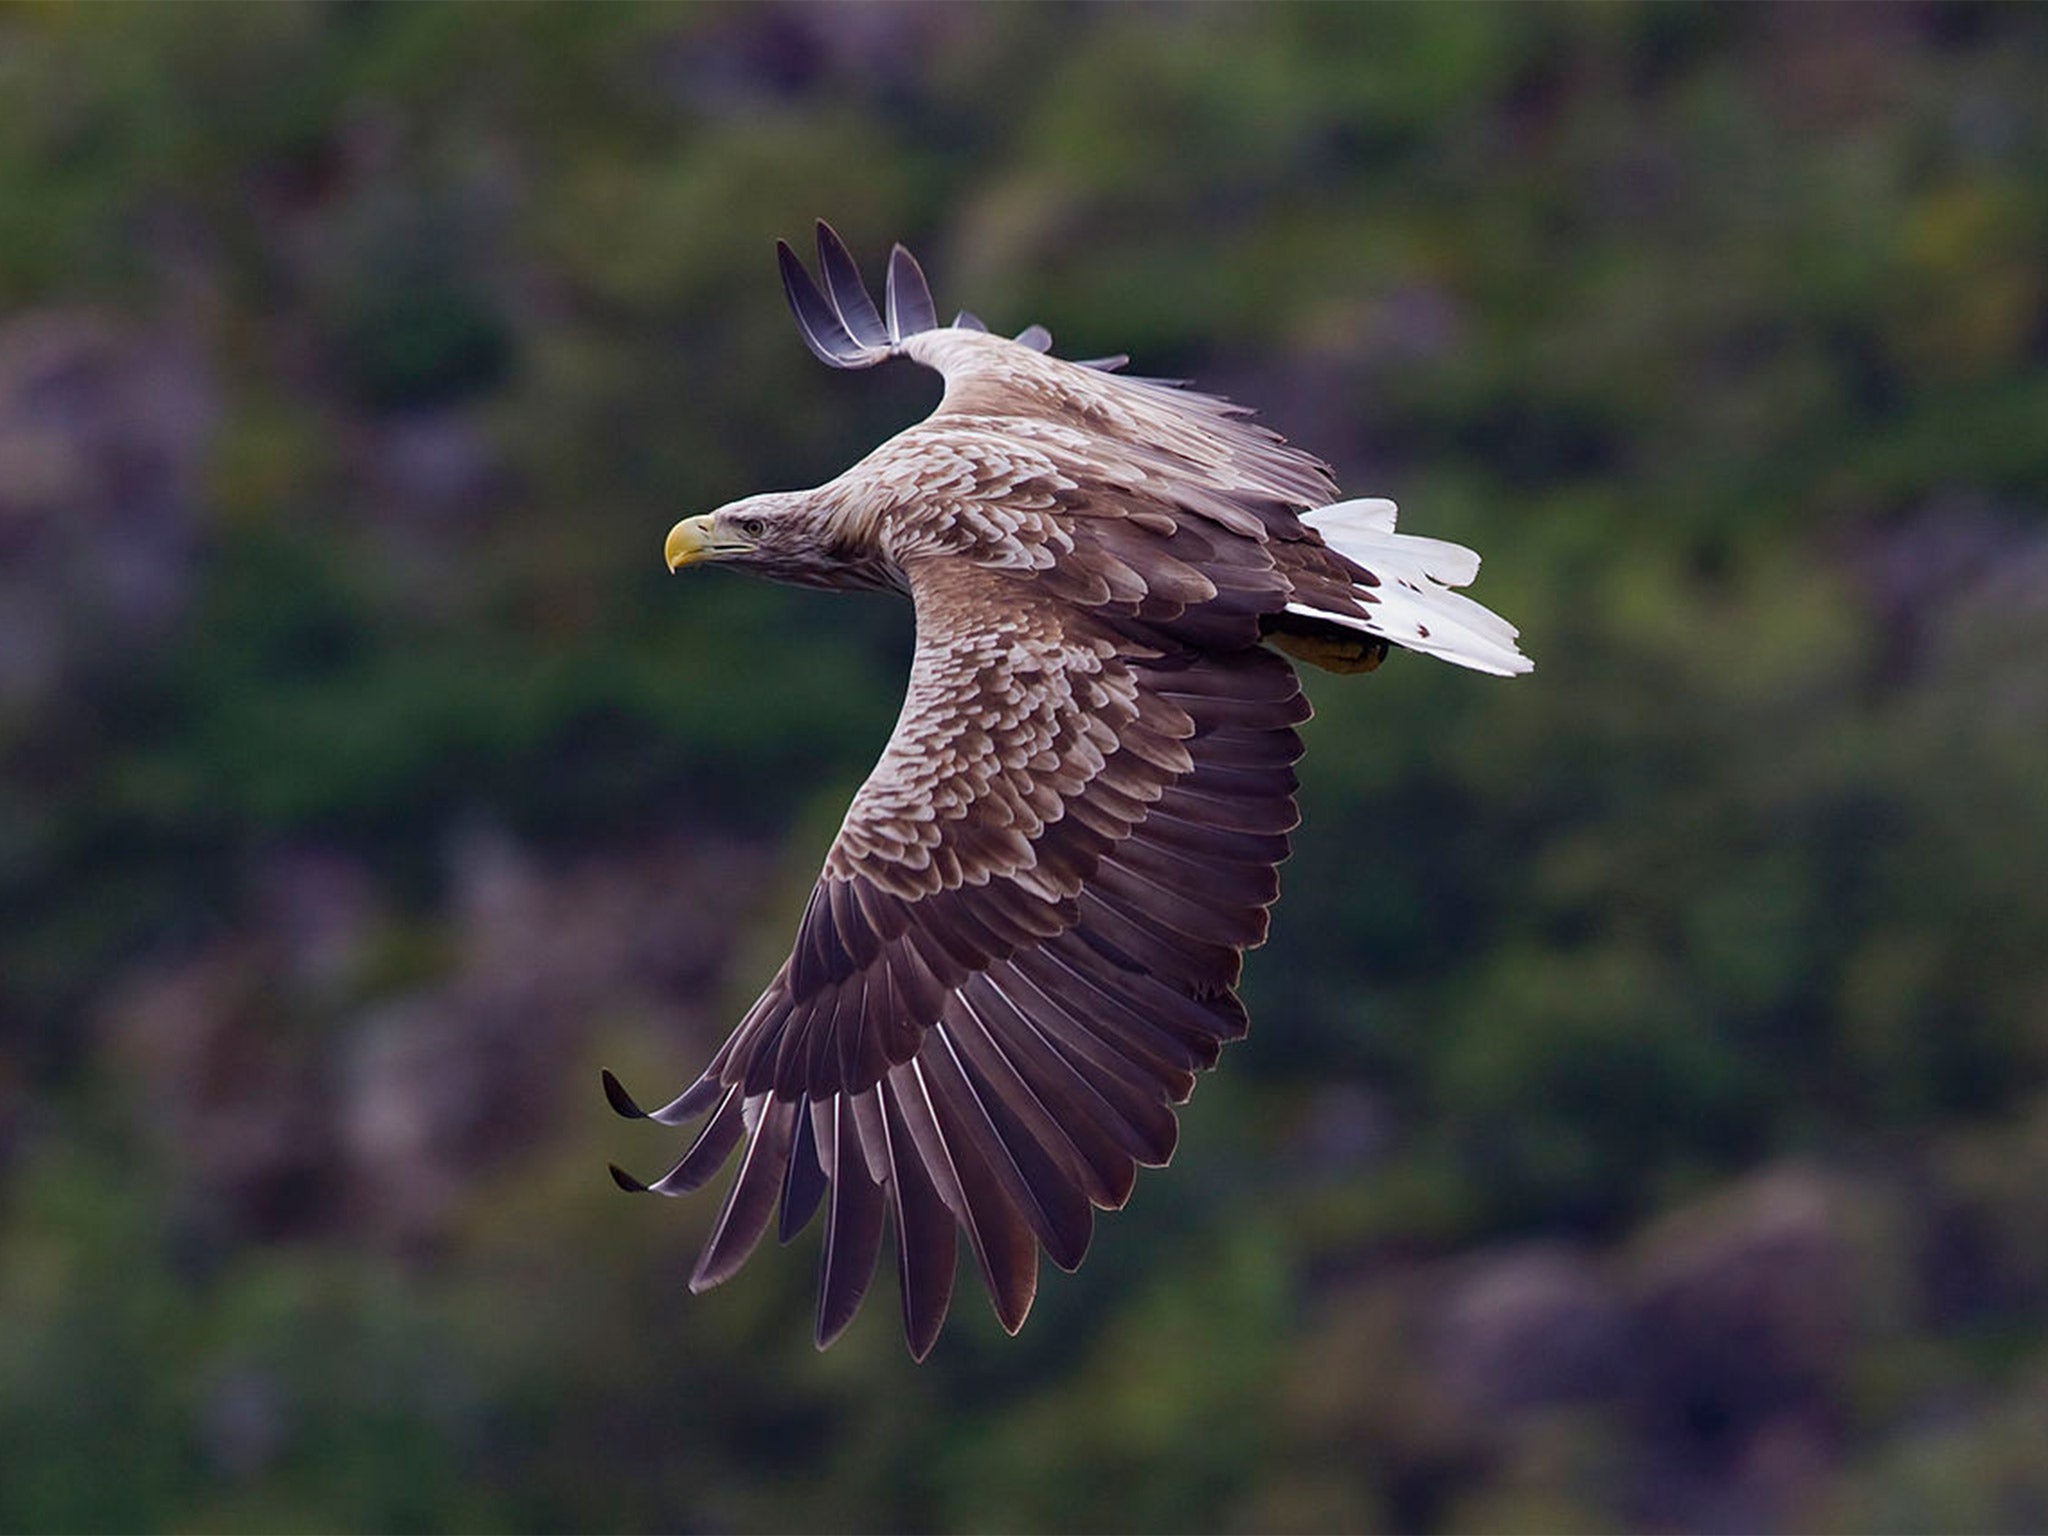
1023,948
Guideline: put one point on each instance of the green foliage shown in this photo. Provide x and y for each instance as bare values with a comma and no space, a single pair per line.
1722,331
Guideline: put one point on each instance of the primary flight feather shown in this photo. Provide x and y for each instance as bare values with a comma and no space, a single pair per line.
1026,938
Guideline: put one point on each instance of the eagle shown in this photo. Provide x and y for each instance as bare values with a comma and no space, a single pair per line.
1026,939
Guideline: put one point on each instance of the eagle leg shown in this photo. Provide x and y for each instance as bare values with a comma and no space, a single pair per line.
1328,647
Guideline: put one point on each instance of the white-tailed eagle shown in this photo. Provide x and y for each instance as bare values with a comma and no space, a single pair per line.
1026,939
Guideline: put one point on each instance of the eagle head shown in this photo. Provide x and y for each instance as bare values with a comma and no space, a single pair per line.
791,536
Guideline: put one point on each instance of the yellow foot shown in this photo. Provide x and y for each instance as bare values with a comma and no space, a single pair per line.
1331,653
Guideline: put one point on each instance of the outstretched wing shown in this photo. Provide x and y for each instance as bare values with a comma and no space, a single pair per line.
1347,581
842,325
1021,950
1196,448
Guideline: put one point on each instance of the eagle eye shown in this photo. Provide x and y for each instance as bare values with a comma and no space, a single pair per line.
751,527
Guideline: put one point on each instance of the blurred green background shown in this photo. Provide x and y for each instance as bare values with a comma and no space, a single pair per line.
1645,1122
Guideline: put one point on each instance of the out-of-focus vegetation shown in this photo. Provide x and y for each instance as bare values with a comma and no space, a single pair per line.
1646,1119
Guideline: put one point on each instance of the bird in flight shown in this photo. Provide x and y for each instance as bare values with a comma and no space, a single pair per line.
1026,938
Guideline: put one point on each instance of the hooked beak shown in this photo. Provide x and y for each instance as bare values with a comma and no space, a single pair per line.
700,538
688,541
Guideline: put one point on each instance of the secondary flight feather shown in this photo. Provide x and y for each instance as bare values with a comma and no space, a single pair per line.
1027,935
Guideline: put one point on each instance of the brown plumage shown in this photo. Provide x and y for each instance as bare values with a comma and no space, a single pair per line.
1027,935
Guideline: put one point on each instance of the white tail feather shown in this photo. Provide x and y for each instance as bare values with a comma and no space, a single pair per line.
1413,605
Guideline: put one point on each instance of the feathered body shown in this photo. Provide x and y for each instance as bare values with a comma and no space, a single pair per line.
1027,934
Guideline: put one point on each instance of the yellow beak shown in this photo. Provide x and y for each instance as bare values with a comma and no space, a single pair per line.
688,541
